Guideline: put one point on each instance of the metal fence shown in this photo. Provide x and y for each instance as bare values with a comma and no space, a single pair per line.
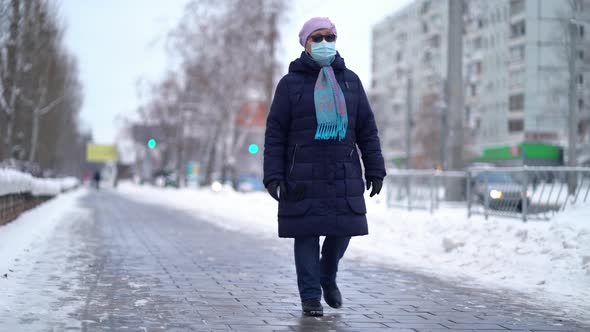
522,192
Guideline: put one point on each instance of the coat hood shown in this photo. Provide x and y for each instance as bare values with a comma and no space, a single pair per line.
307,64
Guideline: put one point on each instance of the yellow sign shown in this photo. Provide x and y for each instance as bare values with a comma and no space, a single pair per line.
99,152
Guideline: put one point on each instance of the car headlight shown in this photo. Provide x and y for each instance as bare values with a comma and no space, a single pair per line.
495,194
527,194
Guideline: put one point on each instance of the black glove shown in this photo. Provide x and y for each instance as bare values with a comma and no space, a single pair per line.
276,189
376,183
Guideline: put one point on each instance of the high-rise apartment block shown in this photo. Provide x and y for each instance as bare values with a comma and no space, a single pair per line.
515,74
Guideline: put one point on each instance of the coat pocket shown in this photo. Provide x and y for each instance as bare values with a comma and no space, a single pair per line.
294,209
357,204
354,181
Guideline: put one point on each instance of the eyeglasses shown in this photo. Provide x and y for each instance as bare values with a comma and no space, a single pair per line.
318,38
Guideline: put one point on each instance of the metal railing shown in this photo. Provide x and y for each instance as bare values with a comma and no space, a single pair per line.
522,192
421,189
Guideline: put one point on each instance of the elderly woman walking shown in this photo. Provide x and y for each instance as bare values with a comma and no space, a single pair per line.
319,116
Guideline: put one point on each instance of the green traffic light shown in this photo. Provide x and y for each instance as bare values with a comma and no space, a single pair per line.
253,149
151,143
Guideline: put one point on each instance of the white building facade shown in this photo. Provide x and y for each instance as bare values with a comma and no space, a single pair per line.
515,69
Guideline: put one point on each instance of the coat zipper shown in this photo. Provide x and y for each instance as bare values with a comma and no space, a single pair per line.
293,161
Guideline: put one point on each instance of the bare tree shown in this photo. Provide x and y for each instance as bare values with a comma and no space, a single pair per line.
40,95
9,69
228,58
428,134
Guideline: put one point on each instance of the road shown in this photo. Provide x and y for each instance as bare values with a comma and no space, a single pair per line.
118,265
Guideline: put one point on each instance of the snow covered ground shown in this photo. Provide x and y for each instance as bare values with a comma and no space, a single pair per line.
22,242
549,261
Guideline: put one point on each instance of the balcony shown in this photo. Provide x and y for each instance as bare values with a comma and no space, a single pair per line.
517,7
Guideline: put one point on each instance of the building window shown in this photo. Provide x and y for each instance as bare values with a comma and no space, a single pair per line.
517,29
517,53
516,102
401,37
435,41
580,104
477,43
425,7
581,30
516,6
515,126
581,79
427,57
399,56
581,55
517,78
473,90
478,67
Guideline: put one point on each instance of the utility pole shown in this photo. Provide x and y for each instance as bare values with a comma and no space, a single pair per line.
573,97
444,130
455,108
409,120
454,112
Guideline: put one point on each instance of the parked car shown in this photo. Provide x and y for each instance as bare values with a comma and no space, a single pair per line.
164,178
502,190
249,183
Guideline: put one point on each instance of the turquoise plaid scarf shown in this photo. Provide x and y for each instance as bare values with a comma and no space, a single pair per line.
330,106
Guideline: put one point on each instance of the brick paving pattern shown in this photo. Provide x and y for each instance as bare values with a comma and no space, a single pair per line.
134,267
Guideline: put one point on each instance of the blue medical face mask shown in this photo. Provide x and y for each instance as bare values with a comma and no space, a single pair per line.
323,53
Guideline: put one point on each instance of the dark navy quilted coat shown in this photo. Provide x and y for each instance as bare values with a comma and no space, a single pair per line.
329,171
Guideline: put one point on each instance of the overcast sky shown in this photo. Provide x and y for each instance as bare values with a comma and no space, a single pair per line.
121,42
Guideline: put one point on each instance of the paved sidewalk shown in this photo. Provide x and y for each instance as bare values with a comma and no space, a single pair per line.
134,267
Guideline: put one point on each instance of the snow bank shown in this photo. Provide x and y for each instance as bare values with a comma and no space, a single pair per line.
14,182
34,226
45,233
547,260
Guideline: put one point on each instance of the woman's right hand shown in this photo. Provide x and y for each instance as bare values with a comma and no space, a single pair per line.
276,188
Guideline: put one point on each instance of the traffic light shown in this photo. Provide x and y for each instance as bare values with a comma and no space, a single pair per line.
253,149
151,143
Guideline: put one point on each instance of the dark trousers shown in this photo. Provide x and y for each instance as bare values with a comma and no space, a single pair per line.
313,271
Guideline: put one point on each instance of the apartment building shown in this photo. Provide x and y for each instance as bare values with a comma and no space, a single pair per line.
515,69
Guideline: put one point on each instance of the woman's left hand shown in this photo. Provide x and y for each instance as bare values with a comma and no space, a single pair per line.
376,183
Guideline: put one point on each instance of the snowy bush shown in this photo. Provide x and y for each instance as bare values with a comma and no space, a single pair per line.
14,182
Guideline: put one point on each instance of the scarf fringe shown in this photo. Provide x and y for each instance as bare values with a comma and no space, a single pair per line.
327,131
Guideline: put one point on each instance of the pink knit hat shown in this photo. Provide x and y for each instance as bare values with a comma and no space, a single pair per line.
314,24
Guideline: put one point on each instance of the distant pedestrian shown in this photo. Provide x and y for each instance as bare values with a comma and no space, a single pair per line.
319,115
96,179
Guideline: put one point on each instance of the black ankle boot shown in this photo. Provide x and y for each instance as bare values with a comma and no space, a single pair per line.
312,308
332,296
